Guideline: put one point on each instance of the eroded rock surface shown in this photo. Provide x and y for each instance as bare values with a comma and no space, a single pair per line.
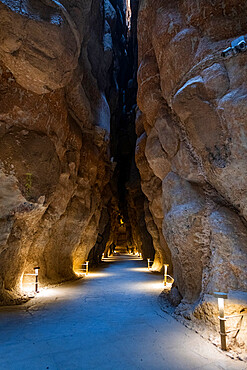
66,89
56,68
191,147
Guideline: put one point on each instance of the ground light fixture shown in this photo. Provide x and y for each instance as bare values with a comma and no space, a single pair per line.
165,273
148,263
221,297
35,283
36,273
84,269
168,280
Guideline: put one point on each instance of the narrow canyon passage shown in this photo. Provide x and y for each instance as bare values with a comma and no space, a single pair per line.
123,129
109,320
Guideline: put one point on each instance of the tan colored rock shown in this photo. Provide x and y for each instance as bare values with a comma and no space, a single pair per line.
54,147
167,133
229,252
139,123
193,102
39,64
185,165
10,195
141,159
149,95
156,156
185,233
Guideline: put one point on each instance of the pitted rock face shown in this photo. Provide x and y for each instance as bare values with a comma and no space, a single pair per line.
54,137
39,43
194,116
65,93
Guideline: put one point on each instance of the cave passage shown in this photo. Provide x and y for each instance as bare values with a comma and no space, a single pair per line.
109,320
114,155
126,231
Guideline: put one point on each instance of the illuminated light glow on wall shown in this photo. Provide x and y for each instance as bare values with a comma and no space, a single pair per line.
29,282
82,271
79,274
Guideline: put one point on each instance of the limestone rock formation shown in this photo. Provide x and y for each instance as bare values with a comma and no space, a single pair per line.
191,147
56,94
68,82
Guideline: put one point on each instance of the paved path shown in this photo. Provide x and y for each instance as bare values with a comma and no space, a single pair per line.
109,320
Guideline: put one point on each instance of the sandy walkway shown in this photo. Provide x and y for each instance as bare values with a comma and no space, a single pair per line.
109,320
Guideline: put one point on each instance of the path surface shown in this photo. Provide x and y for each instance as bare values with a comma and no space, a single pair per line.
109,320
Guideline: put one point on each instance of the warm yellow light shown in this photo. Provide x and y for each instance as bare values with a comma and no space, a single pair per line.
52,292
93,275
29,283
79,274
97,275
148,286
223,334
221,297
221,306
168,280
137,269
165,273
27,289
168,285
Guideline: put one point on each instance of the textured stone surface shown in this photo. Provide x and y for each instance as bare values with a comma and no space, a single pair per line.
39,63
63,73
192,135
54,137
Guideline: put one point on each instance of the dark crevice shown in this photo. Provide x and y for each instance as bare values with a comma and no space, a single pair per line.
127,202
126,178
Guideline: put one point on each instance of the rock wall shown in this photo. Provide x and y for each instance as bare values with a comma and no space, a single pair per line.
191,148
57,63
